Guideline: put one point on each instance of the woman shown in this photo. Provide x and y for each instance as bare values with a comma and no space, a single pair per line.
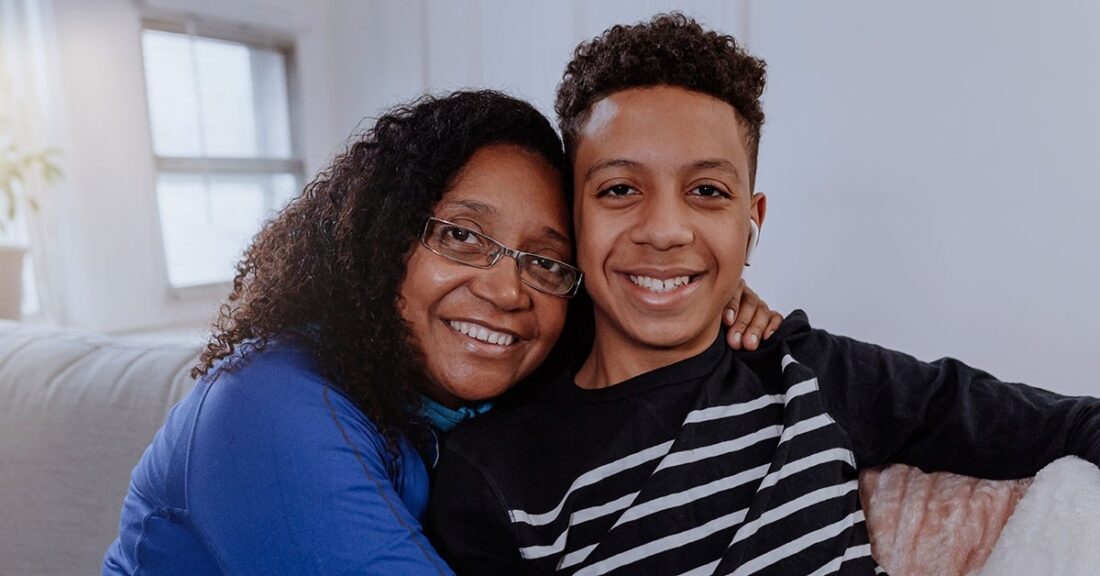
424,272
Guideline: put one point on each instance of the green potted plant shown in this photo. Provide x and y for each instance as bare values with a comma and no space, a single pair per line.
17,168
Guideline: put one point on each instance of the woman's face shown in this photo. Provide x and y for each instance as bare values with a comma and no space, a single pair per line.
456,312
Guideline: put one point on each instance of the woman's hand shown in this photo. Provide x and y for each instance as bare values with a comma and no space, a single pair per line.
749,319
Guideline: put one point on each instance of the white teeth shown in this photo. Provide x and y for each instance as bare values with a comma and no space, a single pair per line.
479,332
658,285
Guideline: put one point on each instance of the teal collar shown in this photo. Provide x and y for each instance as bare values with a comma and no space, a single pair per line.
444,418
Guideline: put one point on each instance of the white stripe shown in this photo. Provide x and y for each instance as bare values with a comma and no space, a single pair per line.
799,544
533,552
738,409
687,496
664,544
792,468
591,477
582,516
689,456
578,517
741,408
801,503
800,389
677,499
787,361
849,554
704,570
804,426
575,557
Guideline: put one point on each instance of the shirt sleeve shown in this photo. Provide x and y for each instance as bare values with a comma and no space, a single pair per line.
467,521
945,415
286,476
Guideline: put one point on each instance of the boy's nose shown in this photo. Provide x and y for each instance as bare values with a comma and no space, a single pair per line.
664,223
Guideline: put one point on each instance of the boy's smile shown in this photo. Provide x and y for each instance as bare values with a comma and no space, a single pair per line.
662,221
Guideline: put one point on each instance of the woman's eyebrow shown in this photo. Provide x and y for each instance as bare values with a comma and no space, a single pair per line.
552,234
479,208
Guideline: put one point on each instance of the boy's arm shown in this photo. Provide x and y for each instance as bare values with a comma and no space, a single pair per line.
946,415
467,523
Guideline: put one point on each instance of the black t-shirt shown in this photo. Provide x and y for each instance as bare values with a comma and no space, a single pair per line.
730,462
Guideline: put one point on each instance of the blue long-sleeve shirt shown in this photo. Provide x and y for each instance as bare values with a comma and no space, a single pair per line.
270,469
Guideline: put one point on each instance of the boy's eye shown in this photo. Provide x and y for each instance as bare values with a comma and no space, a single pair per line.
709,191
617,191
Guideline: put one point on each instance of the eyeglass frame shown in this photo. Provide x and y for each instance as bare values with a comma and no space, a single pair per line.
503,251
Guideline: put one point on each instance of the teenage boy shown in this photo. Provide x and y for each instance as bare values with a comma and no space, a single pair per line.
663,452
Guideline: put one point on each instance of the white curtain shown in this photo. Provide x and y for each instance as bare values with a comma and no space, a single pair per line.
29,106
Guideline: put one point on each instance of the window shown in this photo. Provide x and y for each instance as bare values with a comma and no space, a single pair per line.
220,112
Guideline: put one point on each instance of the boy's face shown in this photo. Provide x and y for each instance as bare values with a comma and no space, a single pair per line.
662,215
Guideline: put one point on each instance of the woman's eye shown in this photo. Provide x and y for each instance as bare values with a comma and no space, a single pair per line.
460,234
548,265
709,191
617,191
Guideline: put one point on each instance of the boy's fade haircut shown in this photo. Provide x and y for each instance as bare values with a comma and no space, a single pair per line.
668,50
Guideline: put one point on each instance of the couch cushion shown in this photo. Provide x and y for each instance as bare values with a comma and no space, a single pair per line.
76,413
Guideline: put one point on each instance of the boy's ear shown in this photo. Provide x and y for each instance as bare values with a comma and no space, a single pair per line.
758,208
754,239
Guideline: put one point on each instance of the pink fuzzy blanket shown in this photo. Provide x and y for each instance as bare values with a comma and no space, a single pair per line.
936,523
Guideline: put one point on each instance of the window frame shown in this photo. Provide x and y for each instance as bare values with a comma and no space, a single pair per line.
205,166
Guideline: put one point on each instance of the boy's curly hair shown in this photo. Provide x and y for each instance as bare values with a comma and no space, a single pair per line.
668,50
329,267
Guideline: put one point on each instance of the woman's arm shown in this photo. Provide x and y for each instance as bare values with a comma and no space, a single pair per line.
749,319
286,476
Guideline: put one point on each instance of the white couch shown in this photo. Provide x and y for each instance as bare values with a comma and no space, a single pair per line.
76,413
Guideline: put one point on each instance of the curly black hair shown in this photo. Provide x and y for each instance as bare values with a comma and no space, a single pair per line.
670,50
329,266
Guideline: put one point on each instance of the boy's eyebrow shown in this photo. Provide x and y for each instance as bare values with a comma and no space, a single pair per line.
718,163
609,163
707,164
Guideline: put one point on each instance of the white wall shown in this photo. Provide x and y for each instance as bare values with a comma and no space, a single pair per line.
390,52
928,165
930,168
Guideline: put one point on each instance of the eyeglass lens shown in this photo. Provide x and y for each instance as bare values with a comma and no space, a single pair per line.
473,248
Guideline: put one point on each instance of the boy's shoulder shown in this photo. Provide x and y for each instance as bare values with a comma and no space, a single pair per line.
495,431
792,333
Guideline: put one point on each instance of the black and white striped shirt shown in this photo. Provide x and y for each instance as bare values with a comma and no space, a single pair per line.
727,463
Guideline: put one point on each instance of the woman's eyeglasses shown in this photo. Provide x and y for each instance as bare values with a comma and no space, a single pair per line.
473,248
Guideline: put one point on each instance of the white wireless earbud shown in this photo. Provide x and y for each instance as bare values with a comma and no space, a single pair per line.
754,239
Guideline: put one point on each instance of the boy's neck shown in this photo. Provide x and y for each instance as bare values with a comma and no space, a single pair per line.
616,357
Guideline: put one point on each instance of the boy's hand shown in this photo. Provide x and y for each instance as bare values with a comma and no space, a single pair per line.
749,319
